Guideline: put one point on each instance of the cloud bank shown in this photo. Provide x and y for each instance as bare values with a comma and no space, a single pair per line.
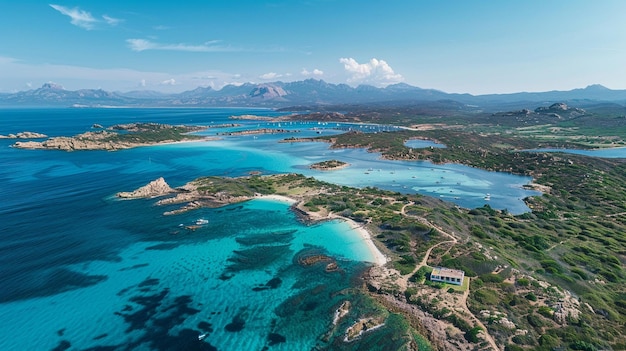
315,72
375,72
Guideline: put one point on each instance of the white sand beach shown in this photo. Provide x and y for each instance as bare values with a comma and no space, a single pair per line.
379,258
280,198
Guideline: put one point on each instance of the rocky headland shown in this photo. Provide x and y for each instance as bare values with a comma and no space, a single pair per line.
117,137
155,188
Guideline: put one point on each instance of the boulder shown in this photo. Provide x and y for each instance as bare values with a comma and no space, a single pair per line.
155,188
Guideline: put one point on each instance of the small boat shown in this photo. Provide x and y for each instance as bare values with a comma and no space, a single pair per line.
201,337
202,221
488,197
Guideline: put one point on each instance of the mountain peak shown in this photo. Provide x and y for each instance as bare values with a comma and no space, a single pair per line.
597,87
52,85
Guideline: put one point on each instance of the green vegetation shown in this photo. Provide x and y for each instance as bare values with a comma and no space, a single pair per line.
150,133
329,165
521,266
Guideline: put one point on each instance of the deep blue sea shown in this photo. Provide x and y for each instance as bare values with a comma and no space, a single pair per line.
81,270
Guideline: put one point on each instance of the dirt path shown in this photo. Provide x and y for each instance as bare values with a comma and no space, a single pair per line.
462,303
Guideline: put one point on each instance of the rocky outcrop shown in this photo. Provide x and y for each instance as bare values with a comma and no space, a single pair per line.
24,135
155,188
559,110
117,137
567,309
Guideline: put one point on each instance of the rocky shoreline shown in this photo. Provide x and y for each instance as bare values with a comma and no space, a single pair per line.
117,137
24,135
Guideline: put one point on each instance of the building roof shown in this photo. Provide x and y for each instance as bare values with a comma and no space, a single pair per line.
448,272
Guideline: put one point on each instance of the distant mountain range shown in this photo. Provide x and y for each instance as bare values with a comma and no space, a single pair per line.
308,93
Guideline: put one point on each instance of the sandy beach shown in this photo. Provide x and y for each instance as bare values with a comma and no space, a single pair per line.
280,198
379,258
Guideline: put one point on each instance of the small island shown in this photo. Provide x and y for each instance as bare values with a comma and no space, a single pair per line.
118,137
330,165
24,135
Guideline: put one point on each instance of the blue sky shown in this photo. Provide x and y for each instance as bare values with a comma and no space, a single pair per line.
479,46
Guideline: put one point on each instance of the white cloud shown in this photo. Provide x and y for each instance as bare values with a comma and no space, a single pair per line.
270,75
111,21
84,19
315,72
79,17
170,81
375,72
143,45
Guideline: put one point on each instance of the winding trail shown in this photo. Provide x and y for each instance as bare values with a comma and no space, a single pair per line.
462,303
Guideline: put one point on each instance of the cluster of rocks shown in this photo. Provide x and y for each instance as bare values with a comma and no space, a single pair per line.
24,135
498,317
566,309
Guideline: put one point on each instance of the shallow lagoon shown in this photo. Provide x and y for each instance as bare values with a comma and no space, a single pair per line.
617,152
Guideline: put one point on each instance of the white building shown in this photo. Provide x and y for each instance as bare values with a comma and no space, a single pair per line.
447,275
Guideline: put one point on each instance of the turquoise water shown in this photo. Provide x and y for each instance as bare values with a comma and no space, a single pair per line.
617,152
84,271
421,144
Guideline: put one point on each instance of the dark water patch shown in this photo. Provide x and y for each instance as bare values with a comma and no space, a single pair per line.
140,319
257,257
274,282
234,208
149,282
280,237
275,338
60,332
105,348
205,326
237,324
225,276
157,315
62,346
127,308
271,284
58,281
309,306
101,336
163,247
175,313
124,291
140,265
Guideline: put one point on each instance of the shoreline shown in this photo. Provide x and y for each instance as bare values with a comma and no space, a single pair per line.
379,258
